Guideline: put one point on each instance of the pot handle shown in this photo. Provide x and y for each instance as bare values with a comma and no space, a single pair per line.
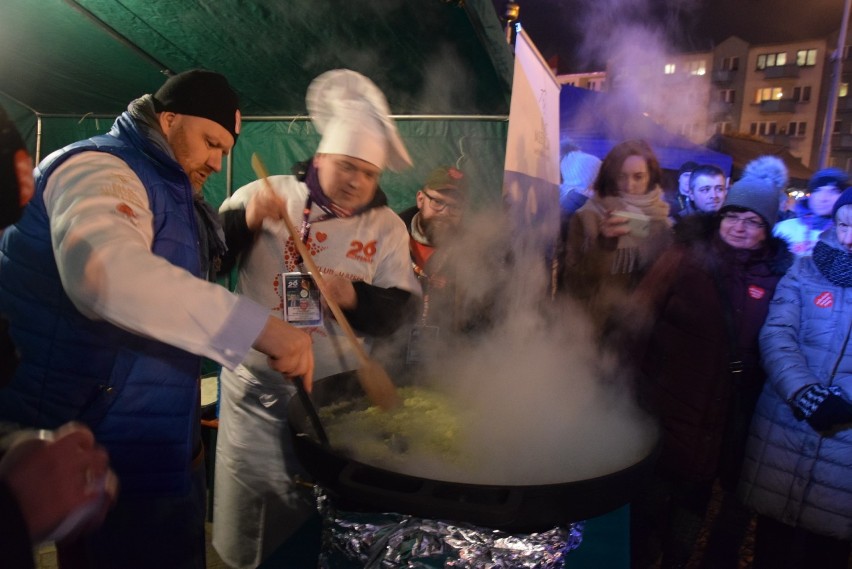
491,506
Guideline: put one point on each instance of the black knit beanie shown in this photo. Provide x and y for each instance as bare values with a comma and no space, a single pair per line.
829,177
844,199
201,93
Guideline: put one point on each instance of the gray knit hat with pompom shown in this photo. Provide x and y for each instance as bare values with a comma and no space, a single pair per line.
759,189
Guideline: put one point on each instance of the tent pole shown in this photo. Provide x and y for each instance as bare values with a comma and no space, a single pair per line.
109,30
38,139
831,109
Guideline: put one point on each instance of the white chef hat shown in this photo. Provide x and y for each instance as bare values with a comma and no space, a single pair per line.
352,115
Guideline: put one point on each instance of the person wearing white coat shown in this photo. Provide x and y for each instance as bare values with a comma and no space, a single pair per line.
361,247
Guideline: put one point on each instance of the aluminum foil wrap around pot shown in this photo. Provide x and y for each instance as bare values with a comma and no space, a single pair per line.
390,540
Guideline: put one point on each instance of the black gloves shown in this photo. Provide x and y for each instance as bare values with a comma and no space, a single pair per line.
824,408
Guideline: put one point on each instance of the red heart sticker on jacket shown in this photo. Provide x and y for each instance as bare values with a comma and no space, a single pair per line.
824,300
321,236
756,292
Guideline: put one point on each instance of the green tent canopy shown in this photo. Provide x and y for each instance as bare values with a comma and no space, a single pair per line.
68,67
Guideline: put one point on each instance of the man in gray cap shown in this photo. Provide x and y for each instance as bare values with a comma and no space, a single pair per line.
361,247
104,285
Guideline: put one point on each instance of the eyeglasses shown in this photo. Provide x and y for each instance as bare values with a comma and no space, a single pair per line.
749,222
438,205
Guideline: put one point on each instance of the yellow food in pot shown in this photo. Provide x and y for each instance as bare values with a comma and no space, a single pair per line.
427,422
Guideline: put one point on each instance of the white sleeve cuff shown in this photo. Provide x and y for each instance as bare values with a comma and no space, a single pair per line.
239,331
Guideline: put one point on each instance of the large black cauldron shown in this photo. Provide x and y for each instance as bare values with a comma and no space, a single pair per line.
511,508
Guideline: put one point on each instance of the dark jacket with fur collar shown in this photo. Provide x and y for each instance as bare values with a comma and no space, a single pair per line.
700,293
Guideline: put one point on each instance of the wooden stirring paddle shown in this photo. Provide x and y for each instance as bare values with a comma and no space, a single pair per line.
373,378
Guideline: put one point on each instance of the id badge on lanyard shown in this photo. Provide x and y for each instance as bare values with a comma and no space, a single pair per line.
302,306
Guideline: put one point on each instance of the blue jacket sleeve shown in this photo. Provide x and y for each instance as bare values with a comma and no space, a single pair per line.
785,364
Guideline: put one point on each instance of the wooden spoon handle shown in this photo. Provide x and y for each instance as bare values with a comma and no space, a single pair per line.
373,378
263,174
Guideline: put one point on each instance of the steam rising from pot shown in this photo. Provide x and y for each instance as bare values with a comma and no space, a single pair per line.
540,403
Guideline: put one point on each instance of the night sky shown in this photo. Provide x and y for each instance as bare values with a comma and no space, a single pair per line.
568,28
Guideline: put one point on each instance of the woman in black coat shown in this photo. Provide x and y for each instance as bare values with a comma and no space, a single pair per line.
707,298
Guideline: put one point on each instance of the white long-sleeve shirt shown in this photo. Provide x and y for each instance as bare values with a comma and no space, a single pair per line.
371,247
102,234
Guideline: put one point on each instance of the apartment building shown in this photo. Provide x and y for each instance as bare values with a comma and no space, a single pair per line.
783,88
593,81
777,92
685,95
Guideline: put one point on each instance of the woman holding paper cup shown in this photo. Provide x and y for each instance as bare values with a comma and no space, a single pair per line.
619,231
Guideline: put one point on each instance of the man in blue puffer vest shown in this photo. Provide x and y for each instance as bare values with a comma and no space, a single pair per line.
103,281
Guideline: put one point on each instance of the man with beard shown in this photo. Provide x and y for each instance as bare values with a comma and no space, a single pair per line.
432,224
104,283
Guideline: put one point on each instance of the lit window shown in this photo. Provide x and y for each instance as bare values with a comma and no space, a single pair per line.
669,69
696,67
771,60
769,94
843,90
806,57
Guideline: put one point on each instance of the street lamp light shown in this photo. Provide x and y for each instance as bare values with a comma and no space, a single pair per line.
513,10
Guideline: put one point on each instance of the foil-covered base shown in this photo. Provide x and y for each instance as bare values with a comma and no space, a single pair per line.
390,540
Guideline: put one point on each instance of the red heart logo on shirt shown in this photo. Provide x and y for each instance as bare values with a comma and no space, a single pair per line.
321,236
756,292
824,300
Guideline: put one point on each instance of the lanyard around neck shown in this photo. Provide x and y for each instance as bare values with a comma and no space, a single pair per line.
305,229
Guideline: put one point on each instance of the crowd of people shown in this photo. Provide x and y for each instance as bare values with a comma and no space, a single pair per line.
735,328
732,323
